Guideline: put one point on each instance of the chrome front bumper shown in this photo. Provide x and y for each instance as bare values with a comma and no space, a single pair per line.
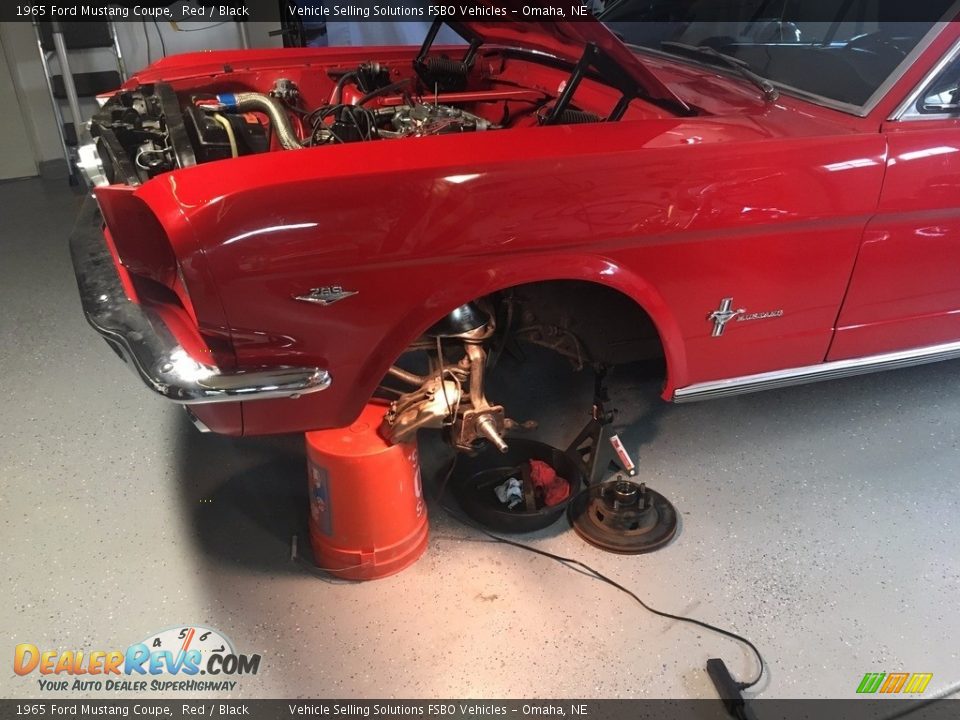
148,346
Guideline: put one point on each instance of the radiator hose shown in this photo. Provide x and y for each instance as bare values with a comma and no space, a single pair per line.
248,101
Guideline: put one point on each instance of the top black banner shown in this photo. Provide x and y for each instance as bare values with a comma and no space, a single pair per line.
317,11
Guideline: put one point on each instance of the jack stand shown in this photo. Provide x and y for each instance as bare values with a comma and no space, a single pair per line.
619,515
596,445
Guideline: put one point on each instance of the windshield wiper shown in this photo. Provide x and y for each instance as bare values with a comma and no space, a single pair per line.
770,93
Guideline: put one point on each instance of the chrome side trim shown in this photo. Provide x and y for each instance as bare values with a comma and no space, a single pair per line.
816,373
903,110
151,349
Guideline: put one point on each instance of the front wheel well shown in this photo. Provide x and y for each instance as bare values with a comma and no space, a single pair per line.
440,381
589,323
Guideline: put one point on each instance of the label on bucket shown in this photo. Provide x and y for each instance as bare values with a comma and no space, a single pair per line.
320,499
414,460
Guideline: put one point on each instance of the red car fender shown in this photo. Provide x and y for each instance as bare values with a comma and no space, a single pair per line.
160,197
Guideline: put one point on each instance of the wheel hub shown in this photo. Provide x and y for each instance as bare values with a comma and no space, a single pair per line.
623,516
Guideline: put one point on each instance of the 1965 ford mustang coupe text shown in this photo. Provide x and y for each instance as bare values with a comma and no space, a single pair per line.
759,204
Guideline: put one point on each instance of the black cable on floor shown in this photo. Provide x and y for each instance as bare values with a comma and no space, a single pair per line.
571,562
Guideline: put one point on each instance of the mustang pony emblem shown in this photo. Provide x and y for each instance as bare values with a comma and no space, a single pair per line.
725,313
722,315
326,295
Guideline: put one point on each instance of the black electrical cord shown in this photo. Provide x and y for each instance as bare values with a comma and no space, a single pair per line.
571,562
146,36
383,91
338,89
316,120
361,118
163,45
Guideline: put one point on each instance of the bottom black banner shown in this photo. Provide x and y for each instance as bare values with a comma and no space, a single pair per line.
854,709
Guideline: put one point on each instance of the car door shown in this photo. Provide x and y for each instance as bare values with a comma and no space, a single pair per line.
905,289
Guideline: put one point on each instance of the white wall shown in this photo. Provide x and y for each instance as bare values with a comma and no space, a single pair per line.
17,157
192,36
20,45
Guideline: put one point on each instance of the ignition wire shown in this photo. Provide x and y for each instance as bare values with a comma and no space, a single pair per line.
231,136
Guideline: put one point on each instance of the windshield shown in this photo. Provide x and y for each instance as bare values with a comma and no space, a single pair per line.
841,50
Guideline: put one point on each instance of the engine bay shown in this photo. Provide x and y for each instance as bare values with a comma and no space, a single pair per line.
162,126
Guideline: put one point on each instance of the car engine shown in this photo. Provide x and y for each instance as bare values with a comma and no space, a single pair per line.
161,126
138,134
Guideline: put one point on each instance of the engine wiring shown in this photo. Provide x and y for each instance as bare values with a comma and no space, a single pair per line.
362,119
338,88
342,121
386,89
231,136
165,153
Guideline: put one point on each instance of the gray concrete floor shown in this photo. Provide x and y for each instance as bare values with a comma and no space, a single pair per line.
821,521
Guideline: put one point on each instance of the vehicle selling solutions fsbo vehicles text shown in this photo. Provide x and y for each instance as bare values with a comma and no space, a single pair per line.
394,11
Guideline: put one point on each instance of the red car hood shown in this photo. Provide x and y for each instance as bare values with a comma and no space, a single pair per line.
564,39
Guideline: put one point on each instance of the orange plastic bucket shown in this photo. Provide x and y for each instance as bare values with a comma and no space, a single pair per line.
368,518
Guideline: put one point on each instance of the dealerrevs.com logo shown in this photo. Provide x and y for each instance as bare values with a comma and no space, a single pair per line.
170,660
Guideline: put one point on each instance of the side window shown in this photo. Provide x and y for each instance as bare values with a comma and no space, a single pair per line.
940,98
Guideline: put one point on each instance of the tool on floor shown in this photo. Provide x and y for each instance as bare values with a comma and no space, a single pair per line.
623,456
728,689
368,518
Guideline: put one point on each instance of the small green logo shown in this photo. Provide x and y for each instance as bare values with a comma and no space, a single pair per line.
903,683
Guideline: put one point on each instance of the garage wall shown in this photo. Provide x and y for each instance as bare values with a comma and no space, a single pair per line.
193,36
20,47
17,158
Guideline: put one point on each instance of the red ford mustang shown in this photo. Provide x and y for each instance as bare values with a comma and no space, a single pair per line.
277,232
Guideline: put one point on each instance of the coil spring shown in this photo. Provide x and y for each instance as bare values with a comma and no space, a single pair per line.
577,117
446,66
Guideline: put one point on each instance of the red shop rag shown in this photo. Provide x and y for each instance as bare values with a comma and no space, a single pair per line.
545,479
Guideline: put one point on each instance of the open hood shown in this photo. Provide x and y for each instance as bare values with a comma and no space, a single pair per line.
565,39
